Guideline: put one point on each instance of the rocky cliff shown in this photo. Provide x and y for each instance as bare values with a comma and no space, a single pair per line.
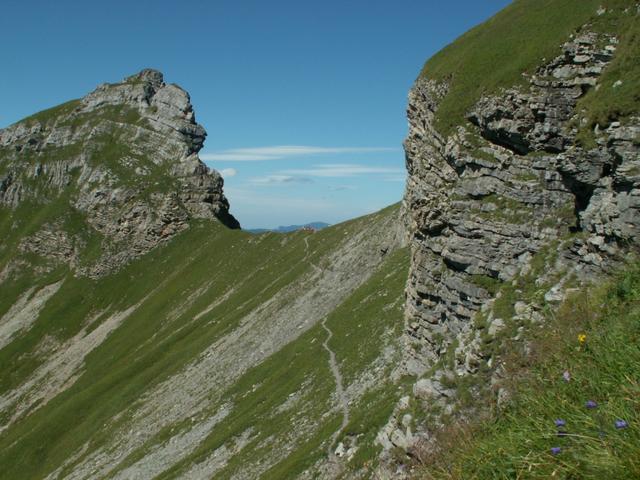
511,208
116,171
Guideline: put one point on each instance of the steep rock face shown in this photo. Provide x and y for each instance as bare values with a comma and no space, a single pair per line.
125,157
510,195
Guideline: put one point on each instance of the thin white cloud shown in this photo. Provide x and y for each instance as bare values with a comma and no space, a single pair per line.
229,156
337,170
395,178
279,180
285,151
228,172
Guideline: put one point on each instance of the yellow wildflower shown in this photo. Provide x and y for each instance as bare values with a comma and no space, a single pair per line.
582,338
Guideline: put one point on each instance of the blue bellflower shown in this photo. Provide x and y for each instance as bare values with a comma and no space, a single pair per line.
620,424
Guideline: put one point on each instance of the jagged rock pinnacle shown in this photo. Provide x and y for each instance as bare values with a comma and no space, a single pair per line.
127,154
150,75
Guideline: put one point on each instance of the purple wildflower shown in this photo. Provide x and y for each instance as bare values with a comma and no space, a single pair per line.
566,376
620,424
590,404
555,450
560,422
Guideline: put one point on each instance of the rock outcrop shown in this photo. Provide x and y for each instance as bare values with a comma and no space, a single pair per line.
125,159
508,211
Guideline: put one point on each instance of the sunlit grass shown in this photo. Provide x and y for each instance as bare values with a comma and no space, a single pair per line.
590,352
496,54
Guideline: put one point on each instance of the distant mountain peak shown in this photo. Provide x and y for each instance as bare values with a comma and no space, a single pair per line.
151,75
124,157
292,228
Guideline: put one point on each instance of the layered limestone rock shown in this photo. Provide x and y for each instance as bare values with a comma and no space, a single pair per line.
125,157
510,196
486,199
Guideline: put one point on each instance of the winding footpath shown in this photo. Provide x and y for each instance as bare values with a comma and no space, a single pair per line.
342,396
335,370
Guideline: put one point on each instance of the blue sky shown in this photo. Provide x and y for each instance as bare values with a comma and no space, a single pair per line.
304,102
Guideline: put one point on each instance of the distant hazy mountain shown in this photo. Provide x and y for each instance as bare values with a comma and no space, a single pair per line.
290,228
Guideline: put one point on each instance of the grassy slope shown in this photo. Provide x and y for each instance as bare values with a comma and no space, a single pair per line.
610,103
363,325
495,54
277,380
127,364
117,373
517,442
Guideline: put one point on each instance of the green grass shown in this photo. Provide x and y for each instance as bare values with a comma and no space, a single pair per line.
517,441
127,364
53,113
486,282
256,396
610,103
361,325
257,408
368,416
477,143
116,370
496,53
506,209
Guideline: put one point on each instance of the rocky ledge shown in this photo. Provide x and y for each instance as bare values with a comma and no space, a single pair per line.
125,158
505,215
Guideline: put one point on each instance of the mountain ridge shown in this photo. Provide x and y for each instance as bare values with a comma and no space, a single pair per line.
123,161
123,337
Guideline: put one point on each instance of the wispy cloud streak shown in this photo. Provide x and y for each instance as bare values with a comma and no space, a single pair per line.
285,151
338,170
279,180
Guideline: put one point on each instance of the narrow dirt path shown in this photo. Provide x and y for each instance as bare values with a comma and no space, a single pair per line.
342,397
306,256
333,366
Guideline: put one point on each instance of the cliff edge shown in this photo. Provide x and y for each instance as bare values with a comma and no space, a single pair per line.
524,185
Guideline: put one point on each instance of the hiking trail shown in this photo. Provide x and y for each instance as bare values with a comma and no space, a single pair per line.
335,370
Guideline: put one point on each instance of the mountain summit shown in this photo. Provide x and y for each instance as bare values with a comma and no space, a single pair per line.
117,172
